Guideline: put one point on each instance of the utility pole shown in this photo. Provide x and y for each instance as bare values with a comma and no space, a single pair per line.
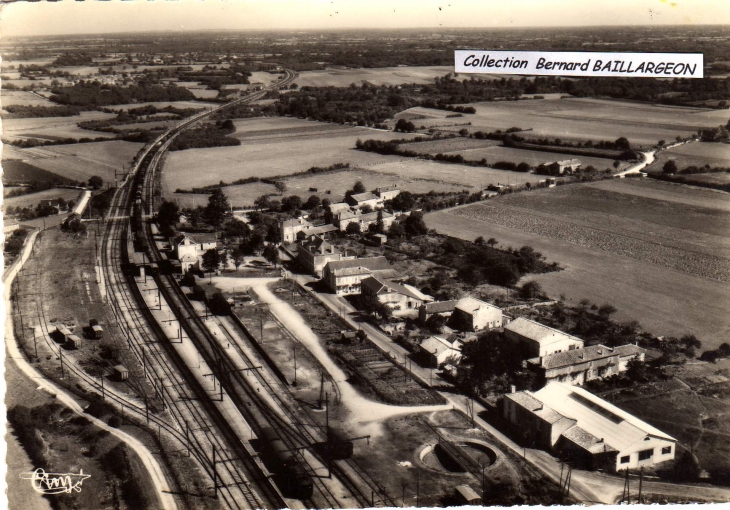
103,395
641,480
418,484
215,476
626,496
295,365
321,389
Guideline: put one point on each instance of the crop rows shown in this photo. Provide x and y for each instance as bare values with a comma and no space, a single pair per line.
708,266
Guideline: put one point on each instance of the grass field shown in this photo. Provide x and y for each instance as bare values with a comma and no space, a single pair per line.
719,178
574,118
695,153
533,158
330,186
23,98
380,76
32,199
459,175
53,128
270,147
83,160
448,145
661,262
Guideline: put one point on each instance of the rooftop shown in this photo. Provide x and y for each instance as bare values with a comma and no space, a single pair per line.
577,356
471,305
372,263
537,332
586,440
377,284
597,417
363,197
440,306
437,345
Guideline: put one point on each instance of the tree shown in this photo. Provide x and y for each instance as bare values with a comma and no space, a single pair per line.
637,371
622,144
291,203
414,224
616,164
404,126
238,257
690,343
261,202
479,241
366,208
254,244
96,182
353,228
492,242
530,290
396,230
312,202
670,167
605,311
359,187
211,260
219,305
380,224
271,253
218,209
167,216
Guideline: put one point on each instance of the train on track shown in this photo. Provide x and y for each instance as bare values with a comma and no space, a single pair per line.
291,476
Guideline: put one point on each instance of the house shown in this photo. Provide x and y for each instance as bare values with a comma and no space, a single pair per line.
536,339
580,365
387,192
594,434
343,219
566,166
339,207
188,248
313,254
443,308
322,231
56,205
343,277
290,228
400,299
377,239
439,350
361,199
472,314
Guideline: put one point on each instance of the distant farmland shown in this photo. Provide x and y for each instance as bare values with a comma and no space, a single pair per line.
31,200
575,118
379,76
83,160
695,154
270,147
53,128
661,262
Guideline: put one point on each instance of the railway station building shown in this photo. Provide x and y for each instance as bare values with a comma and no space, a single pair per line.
585,429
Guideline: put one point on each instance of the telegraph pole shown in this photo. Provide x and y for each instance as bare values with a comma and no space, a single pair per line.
295,365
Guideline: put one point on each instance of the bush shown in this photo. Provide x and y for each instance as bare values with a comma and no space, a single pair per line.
115,421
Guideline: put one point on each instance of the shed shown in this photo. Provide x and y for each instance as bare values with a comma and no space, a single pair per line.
121,372
73,342
63,333
97,332
466,495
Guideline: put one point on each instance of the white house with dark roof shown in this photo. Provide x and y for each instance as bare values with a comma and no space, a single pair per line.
472,314
343,219
361,199
440,350
443,308
400,299
387,192
188,248
343,277
314,253
580,365
592,432
536,339
290,228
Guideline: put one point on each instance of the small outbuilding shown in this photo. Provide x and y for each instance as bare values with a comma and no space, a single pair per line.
73,342
121,373
97,332
465,495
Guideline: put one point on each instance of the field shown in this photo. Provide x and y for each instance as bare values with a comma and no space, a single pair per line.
448,145
648,248
33,199
53,128
164,104
695,153
471,177
331,186
574,118
282,146
23,98
533,158
149,125
83,160
381,76
719,178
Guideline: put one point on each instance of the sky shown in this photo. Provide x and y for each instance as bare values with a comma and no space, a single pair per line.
94,16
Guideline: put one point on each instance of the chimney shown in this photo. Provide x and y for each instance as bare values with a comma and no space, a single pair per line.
513,389
541,361
600,440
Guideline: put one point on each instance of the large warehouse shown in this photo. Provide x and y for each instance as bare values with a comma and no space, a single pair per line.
595,434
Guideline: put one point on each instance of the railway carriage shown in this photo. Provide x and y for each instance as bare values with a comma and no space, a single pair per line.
292,478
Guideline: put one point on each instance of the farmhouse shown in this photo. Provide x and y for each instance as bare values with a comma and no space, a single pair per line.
471,314
536,339
581,365
313,254
290,228
400,299
343,277
566,166
343,219
593,433
322,231
53,204
443,308
438,350
387,192
362,199
188,248
339,207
